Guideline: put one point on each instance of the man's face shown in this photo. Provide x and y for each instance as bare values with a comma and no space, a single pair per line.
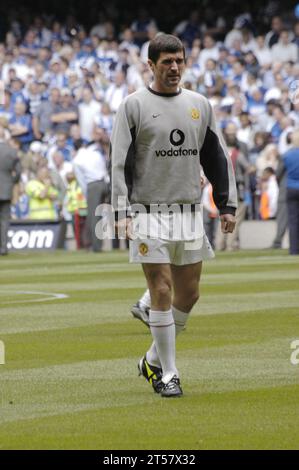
61,141
284,37
100,136
168,69
20,109
55,95
66,99
208,42
276,24
43,175
119,78
86,96
230,134
244,120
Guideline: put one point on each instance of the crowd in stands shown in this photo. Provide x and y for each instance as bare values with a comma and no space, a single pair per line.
62,88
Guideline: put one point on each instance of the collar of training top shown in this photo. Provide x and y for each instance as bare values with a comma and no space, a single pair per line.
167,95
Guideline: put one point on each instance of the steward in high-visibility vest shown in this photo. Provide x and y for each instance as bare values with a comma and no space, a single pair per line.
42,196
76,202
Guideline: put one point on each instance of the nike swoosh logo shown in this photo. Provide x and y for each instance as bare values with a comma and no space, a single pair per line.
156,115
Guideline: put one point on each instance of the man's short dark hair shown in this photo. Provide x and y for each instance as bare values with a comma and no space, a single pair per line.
164,43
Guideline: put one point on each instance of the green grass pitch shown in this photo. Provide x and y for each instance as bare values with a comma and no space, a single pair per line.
70,378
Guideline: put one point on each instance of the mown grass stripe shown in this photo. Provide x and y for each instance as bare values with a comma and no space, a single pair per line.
71,364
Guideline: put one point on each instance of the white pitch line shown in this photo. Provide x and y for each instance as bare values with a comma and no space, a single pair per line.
50,296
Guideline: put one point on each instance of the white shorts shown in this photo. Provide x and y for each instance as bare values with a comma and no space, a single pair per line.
179,253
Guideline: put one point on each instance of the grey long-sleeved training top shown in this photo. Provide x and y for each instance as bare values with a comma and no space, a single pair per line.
159,142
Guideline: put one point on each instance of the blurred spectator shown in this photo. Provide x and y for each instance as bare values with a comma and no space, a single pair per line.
100,29
212,82
43,34
20,202
117,91
190,29
209,51
255,101
59,169
41,122
268,157
291,163
10,172
44,56
20,125
282,212
32,160
235,34
272,37
105,119
7,64
33,96
30,44
247,129
251,63
89,108
294,114
90,168
239,155
62,146
262,52
25,69
57,77
260,141
277,127
248,42
284,50
6,109
16,88
65,114
128,43
151,33
269,194
296,33
284,141
141,25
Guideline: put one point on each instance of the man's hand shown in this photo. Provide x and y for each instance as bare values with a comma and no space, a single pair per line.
123,228
228,222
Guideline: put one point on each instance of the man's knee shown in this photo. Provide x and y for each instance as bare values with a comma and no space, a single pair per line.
161,294
187,299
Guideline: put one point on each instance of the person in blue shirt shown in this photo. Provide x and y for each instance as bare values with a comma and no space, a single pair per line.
276,129
29,44
20,125
6,109
57,78
61,145
16,90
291,163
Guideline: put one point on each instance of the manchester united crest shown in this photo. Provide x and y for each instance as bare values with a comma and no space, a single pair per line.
195,114
143,249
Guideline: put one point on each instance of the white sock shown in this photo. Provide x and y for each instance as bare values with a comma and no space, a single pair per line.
145,300
180,320
163,333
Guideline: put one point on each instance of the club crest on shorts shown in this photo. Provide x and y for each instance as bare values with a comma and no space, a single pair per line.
195,114
143,249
